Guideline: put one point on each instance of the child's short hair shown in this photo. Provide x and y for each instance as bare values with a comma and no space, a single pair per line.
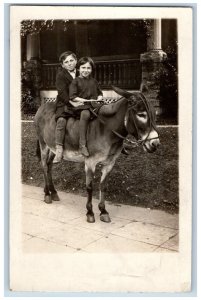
84,60
63,55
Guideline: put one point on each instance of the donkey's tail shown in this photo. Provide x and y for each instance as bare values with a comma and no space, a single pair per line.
38,152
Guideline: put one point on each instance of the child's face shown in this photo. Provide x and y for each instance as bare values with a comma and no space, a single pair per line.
85,70
69,63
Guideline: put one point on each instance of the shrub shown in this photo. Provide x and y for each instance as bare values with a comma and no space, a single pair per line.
28,104
168,83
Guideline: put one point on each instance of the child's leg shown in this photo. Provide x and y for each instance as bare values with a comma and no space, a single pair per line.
83,125
59,138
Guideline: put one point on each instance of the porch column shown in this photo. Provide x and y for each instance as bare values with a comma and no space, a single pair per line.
33,46
154,40
152,62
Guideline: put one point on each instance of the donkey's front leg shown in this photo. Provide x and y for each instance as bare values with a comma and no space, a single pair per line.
104,215
45,166
89,178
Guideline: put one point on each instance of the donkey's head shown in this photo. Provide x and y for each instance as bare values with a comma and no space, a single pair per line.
140,119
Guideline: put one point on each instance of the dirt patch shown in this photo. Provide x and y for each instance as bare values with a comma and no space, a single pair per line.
141,179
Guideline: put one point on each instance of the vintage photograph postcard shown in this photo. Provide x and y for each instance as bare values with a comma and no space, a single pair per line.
100,149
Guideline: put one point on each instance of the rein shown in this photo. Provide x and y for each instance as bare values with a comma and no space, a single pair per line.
134,143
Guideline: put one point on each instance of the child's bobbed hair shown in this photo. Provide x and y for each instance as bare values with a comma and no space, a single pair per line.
84,60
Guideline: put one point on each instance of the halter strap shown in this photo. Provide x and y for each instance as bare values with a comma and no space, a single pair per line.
151,121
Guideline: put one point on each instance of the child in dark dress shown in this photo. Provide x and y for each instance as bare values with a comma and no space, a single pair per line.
84,89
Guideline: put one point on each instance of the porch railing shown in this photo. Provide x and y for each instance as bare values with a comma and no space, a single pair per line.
122,73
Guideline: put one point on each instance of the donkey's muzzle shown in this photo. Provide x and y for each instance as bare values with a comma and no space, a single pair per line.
151,145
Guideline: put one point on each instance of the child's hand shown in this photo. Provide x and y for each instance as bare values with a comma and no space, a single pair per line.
76,103
100,98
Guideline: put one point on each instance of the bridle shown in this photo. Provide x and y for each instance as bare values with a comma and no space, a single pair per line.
131,108
138,142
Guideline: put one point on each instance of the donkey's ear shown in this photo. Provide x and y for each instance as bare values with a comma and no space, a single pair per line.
122,92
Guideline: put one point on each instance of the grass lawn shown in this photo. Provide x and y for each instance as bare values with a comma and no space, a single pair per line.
141,179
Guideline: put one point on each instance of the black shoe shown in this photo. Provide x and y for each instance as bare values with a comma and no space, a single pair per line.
59,154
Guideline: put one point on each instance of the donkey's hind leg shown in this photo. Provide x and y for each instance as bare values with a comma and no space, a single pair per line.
89,170
44,161
104,215
54,195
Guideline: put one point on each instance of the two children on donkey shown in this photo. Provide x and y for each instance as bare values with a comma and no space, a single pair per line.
77,90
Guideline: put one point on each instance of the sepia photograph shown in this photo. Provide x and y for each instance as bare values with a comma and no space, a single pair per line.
101,113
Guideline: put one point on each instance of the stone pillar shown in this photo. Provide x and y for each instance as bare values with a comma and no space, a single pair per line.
152,62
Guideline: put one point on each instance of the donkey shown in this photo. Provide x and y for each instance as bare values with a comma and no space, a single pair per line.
131,114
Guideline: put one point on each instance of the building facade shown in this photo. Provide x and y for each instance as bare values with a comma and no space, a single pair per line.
127,53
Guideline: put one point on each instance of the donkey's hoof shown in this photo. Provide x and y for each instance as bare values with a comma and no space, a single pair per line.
105,218
48,199
55,197
90,219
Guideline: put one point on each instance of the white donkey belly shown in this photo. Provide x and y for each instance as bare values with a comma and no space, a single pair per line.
75,156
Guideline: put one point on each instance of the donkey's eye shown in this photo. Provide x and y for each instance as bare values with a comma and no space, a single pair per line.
142,115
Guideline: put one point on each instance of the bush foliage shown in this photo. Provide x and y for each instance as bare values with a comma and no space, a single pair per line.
168,83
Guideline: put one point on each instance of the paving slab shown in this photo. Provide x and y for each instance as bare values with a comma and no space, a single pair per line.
118,244
33,225
146,233
172,243
62,227
37,193
99,226
147,215
69,235
55,211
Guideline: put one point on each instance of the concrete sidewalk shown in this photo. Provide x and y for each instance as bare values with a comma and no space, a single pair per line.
62,227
